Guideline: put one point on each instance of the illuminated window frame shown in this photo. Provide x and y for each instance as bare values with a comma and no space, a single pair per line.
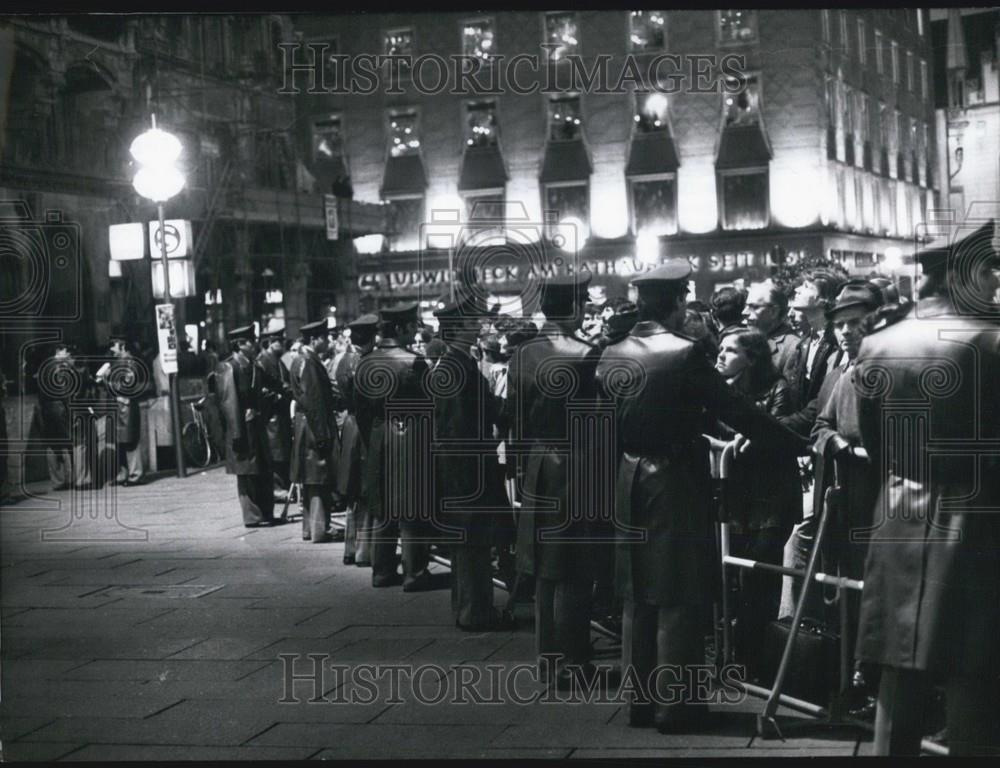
845,35
402,111
396,30
910,79
734,43
478,20
862,43
894,55
824,23
551,225
756,170
923,79
474,228
646,178
545,15
327,118
548,98
666,126
466,105
628,33
395,245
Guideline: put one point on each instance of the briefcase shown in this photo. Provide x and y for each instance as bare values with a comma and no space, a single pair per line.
814,668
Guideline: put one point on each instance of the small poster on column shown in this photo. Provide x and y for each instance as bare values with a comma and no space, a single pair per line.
167,335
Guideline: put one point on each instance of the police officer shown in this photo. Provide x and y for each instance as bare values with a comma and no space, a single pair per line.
468,489
240,392
550,377
278,395
930,608
352,441
316,438
390,398
666,562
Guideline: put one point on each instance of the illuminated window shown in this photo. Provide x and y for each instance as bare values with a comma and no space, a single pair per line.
894,55
742,107
902,138
561,34
654,205
862,45
824,19
923,79
565,121
568,202
484,214
478,39
863,157
913,162
849,124
744,199
737,26
845,39
404,135
481,126
398,42
328,138
647,31
909,71
885,138
830,102
926,164
878,52
405,220
651,113
920,22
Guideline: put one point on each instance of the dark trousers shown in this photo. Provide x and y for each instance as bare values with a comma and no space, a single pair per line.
671,637
562,616
316,507
256,498
759,591
972,707
280,470
416,553
363,523
384,536
471,584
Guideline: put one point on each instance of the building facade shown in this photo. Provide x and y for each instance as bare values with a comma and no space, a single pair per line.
738,139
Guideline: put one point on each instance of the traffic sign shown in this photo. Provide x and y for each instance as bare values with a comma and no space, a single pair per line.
178,238
332,225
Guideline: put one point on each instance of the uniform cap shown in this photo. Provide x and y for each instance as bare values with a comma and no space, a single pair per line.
314,329
276,333
244,332
671,271
365,322
402,312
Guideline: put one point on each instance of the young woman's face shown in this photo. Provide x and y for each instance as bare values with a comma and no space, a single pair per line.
732,358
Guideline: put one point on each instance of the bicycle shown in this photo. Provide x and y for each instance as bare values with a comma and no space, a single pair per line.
194,437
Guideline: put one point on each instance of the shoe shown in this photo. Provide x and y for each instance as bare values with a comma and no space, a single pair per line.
500,621
324,539
335,533
386,580
306,536
421,583
348,559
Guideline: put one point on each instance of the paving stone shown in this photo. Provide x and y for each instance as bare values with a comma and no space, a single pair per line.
16,726
381,742
22,750
167,669
117,752
223,649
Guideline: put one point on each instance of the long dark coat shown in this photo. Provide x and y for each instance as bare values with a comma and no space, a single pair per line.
395,413
352,441
468,483
551,379
238,384
663,388
126,381
278,393
315,422
927,406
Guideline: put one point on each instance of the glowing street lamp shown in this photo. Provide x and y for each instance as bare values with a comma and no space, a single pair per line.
158,179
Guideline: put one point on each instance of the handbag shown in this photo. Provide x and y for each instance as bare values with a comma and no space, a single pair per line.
814,667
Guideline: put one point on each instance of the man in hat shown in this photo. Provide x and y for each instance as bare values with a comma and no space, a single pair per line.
663,387
55,402
550,388
127,386
928,415
390,397
278,395
241,399
316,438
357,547
468,488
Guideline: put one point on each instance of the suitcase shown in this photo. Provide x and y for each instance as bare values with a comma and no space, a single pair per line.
814,667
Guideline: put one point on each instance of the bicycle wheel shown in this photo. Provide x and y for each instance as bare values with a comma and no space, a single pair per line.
194,441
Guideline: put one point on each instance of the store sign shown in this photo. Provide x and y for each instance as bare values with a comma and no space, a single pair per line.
166,333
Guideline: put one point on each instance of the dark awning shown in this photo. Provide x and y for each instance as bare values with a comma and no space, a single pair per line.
404,175
565,161
482,168
652,153
742,146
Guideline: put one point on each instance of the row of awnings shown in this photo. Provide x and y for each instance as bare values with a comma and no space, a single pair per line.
741,146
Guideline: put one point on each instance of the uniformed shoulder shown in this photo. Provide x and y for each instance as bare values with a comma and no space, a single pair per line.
685,337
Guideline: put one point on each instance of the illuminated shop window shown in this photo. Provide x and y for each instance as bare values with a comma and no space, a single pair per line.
845,39
328,138
484,214
404,137
830,103
565,119
398,42
909,71
568,204
561,32
482,128
651,113
654,205
737,26
824,18
862,44
745,195
878,52
406,216
647,31
894,56
478,39
743,108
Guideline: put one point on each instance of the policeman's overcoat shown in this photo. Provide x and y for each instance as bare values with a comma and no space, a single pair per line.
315,422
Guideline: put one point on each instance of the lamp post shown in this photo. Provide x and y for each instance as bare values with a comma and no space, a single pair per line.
158,180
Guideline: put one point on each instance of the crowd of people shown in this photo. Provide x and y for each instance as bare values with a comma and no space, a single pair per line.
571,454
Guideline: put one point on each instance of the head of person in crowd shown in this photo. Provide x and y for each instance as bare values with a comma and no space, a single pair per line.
364,332
621,323
592,320
850,314
662,294
965,271
399,322
521,329
727,307
421,338
460,320
273,341
492,352
564,300
812,300
315,336
297,344
244,341
766,308
119,345
745,361
63,350
697,327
